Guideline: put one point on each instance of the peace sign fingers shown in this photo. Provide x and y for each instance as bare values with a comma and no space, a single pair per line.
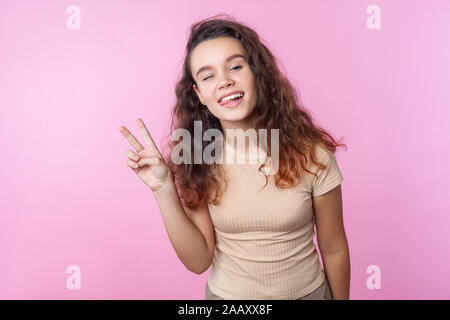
148,138
131,139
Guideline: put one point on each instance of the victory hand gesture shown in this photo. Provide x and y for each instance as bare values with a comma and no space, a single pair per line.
147,162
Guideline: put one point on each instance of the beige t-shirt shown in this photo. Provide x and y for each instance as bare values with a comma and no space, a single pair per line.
264,240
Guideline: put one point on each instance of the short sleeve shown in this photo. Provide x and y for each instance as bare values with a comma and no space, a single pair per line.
329,178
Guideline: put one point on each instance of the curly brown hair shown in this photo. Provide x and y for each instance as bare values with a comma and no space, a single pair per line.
277,108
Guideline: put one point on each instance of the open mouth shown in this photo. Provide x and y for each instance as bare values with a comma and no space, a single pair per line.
232,100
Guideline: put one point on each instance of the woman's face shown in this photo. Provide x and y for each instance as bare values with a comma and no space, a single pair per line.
217,76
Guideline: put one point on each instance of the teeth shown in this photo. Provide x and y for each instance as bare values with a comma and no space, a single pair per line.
232,97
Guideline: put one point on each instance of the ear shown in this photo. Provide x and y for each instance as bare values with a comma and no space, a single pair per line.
196,89
198,93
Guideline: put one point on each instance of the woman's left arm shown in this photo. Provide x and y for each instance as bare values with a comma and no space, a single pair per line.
332,242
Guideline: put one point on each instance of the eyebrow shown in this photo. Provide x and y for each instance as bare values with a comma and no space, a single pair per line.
234,56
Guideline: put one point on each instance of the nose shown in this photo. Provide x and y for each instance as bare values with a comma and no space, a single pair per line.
226,83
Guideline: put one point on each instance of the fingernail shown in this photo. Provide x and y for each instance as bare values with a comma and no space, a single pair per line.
135,165
136,157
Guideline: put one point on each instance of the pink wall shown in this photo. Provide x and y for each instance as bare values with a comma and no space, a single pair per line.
68,197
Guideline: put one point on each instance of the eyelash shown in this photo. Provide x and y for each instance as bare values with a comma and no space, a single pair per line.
240,67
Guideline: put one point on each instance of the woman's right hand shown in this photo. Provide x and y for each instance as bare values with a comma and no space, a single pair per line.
147,163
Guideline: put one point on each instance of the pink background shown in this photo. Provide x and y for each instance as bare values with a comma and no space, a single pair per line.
69,198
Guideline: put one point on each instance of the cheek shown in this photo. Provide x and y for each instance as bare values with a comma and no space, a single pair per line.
206,92
249,81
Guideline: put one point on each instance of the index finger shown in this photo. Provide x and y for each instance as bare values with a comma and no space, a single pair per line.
147,137
131,139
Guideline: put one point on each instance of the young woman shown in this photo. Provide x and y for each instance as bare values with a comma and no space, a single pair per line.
253,229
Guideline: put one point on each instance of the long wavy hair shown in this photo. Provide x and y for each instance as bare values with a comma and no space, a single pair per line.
277,107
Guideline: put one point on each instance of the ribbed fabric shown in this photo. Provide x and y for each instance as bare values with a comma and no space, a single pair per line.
264,240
